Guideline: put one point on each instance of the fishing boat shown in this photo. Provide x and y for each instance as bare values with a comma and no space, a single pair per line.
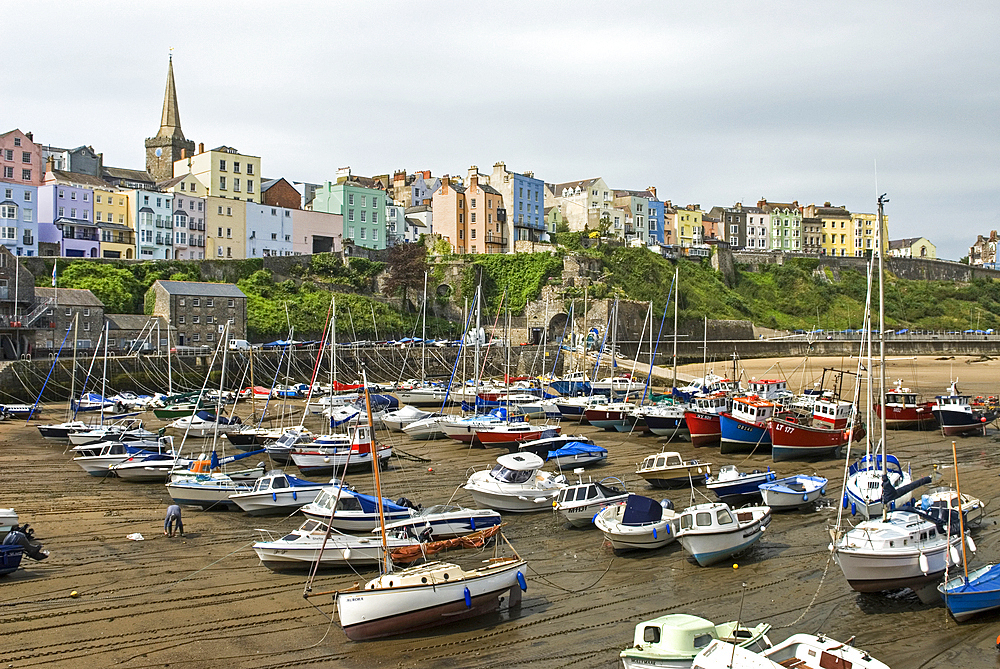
823,436
149,467
702,418
904,412
314,541
204,424
515,484
638,523
509,435
330,452
276,492
608,416
730,482
664,420
444,520
668,469
396,420
672,641
464,429
744,429
793,492
97,459
955,414
579,503
802,651
713,532
348,510
573,408
209,491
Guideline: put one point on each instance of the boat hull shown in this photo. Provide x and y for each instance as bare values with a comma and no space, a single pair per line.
705,428
790,441
708,549
372,614
206,496
275,502
681,477
980,594
907,417
879,570
741,437
955,424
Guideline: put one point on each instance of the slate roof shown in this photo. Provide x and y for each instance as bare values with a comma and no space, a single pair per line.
417,208
416,222
128,175
78,179
490,189
201,289
131,321
76,297
903,243
171,182
583,185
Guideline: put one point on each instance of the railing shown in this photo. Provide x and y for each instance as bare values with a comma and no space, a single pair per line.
491,239
35,313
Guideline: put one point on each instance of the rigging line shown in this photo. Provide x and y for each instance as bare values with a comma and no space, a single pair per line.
567,590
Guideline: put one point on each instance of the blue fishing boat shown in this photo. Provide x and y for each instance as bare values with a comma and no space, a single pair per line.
977,593
744,429
731,482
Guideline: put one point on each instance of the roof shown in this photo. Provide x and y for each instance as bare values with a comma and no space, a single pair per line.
489,189
583,185
415,222
80,297
201,288
130,321
903,243
171,182
417,208
78,179
113,226
633,193
129,175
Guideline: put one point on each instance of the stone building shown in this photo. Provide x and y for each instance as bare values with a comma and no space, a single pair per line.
163,150
68,305
198,311
138,333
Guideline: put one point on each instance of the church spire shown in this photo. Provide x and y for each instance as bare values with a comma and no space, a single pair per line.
170,122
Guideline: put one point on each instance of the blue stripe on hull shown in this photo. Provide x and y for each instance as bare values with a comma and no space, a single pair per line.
708,559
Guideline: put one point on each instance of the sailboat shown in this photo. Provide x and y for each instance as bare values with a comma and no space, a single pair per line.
427,595
901,548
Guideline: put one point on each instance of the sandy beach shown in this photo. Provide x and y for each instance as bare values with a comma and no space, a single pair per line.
204,600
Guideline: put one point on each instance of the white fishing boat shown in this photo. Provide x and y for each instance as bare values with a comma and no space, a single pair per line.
638,523
209,491
973,508
348,510
313,541
672,641
802,651
329,453
129,429
277,492
204,424
669,469
444,520
515,484
431,427
713,532
395,421
151,467
580,502
793,492
97,459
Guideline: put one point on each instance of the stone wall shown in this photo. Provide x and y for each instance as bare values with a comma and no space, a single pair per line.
916,269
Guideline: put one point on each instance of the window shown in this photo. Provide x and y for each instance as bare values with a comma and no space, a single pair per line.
374,217
86,197
8,211
374,202
350,214
363,231
72,213
350,198
364,200
26,157
236,185
196,337
229,251
26,175
232,303
461,234
69,312
461,218
210,302
472,217
229,235
86,326
196,302
27,215
8,233
472,233
209,319
236,167
229,211
350,231
8,172
220,232
374,234
219,252
274,236
220,210
17,142
222,165
9,154
364,215
222,183
249,168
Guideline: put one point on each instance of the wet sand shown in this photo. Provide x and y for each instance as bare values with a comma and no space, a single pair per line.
205,600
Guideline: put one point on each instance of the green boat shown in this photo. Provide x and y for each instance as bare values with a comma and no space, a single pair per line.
673,640
179,410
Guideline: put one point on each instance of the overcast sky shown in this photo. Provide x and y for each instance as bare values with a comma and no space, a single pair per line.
711,102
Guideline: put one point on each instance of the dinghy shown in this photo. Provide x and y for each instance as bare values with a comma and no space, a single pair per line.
802,651
793,492
730,482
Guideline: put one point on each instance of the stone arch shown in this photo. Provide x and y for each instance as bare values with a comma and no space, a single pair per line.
555,327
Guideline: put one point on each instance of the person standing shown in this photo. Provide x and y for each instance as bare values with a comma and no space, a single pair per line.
173,517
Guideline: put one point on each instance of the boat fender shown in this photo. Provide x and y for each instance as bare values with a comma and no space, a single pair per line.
468,598
805,497
347,554
854,509
954,555
822,491
295,496
668,529
654,532
274,497
892,505
845,500
970,543
521,582
472,524
922,562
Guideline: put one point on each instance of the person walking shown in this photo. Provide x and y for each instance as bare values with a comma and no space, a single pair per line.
173,516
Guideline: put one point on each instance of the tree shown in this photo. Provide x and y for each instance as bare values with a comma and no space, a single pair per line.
117,288
407,265
964,260
604,226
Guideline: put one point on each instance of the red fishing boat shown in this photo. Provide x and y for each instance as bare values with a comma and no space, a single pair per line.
512,434
904,412
703,418
823,436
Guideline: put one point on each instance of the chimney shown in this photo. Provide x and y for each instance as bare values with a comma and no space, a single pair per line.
444,184
826,204
473,179
427,174
399,175
652,189
201,147
762,203
529,174
50,164
30,136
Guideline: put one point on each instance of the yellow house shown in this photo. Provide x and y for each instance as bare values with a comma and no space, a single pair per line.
112,215
864,234
689,224
189,216
225,223
225,172
837,228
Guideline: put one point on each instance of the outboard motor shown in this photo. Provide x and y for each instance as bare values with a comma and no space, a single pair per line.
402,501
23,536
667,504
425,536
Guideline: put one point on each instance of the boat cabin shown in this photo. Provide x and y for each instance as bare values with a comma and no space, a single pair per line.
769,389
675,634
713,516
957,403
582,492
661,460
833,414
752,410
716,403
723,386
900,398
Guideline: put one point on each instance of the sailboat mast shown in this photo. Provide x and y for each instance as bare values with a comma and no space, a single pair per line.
104,373
423,336
72,378
881,342
676,289
375,471
479,310
170,371
704,352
